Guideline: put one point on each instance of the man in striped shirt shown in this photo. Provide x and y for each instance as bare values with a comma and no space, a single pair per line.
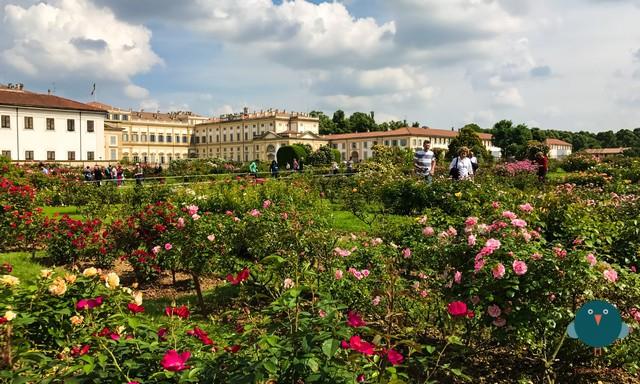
425,161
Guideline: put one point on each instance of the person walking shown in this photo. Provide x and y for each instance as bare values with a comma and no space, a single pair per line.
296,165
139,174
274,168
253,169
97,175
350,165
461,167
119,174
424,161
543,166
334,168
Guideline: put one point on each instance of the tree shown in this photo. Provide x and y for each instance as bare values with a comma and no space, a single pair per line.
467,137
626,138
286,154
339,121
324,155
390,125
607,139
416,124
361,122
473,126
327,126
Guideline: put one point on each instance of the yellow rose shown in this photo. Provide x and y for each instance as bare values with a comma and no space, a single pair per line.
77,320
354,190
137,298
458,194
10,315
112,280
70,278
9,281
59,287
46,273
90,272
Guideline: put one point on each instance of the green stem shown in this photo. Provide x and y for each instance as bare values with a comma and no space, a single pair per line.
115,361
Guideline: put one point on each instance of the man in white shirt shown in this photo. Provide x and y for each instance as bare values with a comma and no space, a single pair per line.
424,161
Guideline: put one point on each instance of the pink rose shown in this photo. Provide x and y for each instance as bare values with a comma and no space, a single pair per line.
285,215
526,207
338,274
611,275
341,252
499,322
375,301
452,232
591,259
457,308
406,253
255,213
376,241
479,264
322,313
494,311
195,216
509,215
192,210
519,267
428,231
498,271
471,221
536,256
365,272
471,240
180,222
168,246
457,277
495,205
266,204
211,237
156,249
518,223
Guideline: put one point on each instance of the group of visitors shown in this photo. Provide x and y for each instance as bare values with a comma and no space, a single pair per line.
274,167
464,166
99,173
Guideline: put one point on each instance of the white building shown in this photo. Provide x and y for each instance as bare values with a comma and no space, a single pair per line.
558,149
43,127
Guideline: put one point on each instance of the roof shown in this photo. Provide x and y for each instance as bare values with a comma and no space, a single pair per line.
606,151
179,116
22,98
550,141
406,131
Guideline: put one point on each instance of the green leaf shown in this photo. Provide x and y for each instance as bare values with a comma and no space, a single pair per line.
329,347
313,365
430,349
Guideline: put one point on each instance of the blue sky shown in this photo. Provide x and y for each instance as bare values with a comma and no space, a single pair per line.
571,64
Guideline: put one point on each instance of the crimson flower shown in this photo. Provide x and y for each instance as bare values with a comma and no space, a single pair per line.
89,303
233,349
457,308
135,308
162,332
359,345
200,334
174,361
354,320
240,277
182,311
394,357
79,351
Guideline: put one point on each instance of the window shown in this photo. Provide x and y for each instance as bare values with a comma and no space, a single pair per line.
113,155
6,121
403,143
238,136
143,137
51,124
28,155
125,137
177,138
169,138
210,139
134,137
197,139
204,139
246,136
6,154
224,138
152,137
231,137
125,118
28,122
394,143
115,117
71,155
71,125
184,139
365,145
90,126
136,159
354,145
386,142
51,155
90,156
160,138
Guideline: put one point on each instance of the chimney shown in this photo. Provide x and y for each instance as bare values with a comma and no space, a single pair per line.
246,110
452,129
372,115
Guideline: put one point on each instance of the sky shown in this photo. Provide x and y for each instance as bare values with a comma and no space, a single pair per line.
571,64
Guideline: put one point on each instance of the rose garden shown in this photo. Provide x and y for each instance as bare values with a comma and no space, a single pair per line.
375,277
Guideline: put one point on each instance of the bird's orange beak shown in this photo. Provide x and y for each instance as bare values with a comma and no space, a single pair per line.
598,317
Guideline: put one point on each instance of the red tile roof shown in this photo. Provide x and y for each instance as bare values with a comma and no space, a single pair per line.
556,142
606,151
21,98
406,131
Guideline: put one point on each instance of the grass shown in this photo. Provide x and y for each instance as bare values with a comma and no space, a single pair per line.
24,267
70,210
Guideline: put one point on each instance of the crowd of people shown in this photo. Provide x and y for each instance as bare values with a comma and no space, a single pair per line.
463,166
115,174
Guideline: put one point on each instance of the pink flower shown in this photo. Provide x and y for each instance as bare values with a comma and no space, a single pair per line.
406,253
635,313
361,378
135,308
428,231
495,205
526,207
457,308
519,267
560,253
471,240
175,362
89,303
181,311
452,232
192,210
526,236
341,252
211,237
358,345
591,259
577,241
492,244
354,320
498,271
536,256
180,222
168,246
288,283
424,293
471,221
358,275
255,213
285,215
375,301
156,249
195,216
365,272
229,213
395,358
376,241
499,322
266,204
611,275
236,219
457,277
338,274
479,264
509,215
322,313
494,311
422,220
518,223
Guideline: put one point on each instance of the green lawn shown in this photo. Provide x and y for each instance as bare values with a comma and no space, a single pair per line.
70,210
26,269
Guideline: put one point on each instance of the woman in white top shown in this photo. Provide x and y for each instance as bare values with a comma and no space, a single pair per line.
463,165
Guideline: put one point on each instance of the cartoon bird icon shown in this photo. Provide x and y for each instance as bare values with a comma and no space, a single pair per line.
598,324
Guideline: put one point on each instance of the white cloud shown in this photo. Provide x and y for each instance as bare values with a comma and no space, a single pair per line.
150,105
74,37
508,97
136,92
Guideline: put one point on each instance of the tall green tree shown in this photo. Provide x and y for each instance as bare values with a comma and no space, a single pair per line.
362,122
327,126
469,138
340,122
